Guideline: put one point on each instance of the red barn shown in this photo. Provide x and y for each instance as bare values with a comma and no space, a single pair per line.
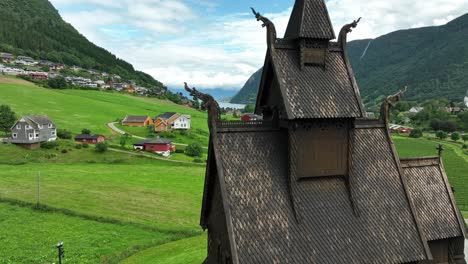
90,139
251,117
158,145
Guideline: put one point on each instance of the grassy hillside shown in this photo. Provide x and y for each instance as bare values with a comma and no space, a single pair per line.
78,109
35,28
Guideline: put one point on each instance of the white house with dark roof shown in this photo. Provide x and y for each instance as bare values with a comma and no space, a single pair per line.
30,131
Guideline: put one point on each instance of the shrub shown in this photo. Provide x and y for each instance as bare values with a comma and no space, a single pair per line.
179,151
455,136
441,135
416,133
50,145
194,150
198,160
85,145
64,151
167,134
101,147
78,146
64,134
86,131
465,137
465,146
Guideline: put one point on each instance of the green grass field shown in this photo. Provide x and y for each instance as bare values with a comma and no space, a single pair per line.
78,109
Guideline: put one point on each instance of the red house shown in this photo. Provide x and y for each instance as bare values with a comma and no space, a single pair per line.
90,139
38,76
159,145
251,117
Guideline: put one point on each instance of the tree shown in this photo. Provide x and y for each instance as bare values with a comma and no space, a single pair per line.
86,131
101,147
194,150
465,138
455,136
64,134
45,68
7,118
416,133
123,139
249,109
57,83
441,135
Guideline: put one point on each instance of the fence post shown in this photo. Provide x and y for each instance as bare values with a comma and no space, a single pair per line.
38,189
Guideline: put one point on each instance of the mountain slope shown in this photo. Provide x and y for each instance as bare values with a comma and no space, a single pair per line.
248,94
431,61
35,28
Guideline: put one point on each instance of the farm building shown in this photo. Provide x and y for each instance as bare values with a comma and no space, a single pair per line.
30,131
90,139
171,121
250,117
318,181
6,57
38,76
138,121
158,145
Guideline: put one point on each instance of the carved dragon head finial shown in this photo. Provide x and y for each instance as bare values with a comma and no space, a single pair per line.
209,103
271,29
348,28
388,103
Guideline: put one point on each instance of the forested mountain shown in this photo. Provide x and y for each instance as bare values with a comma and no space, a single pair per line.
35,28
431,61
248,94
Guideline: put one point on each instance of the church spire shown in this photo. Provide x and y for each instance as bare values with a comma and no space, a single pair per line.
310,19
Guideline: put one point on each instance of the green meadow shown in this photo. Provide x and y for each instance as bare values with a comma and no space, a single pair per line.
78,109
114,207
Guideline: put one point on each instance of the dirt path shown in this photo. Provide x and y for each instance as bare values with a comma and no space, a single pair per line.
156,158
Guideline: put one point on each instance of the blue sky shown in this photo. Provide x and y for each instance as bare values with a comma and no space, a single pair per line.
218,43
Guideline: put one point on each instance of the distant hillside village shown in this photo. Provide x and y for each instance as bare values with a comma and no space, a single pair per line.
60,76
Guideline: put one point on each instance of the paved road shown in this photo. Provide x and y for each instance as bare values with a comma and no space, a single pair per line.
112,126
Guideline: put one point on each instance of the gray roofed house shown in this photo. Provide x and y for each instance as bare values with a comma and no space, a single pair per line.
316,181
31,130
165,116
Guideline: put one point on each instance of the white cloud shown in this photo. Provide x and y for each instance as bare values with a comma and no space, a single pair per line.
179,44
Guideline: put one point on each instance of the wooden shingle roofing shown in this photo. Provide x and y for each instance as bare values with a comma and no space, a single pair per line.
310,19
315,92
313,220
433,198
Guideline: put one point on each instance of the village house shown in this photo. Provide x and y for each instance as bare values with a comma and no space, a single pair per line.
75,68
181,123
137,121
57,67
129,89
415,109
30,131
90,139
317,181
39,76
171,121
25,60
159,145
6,57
